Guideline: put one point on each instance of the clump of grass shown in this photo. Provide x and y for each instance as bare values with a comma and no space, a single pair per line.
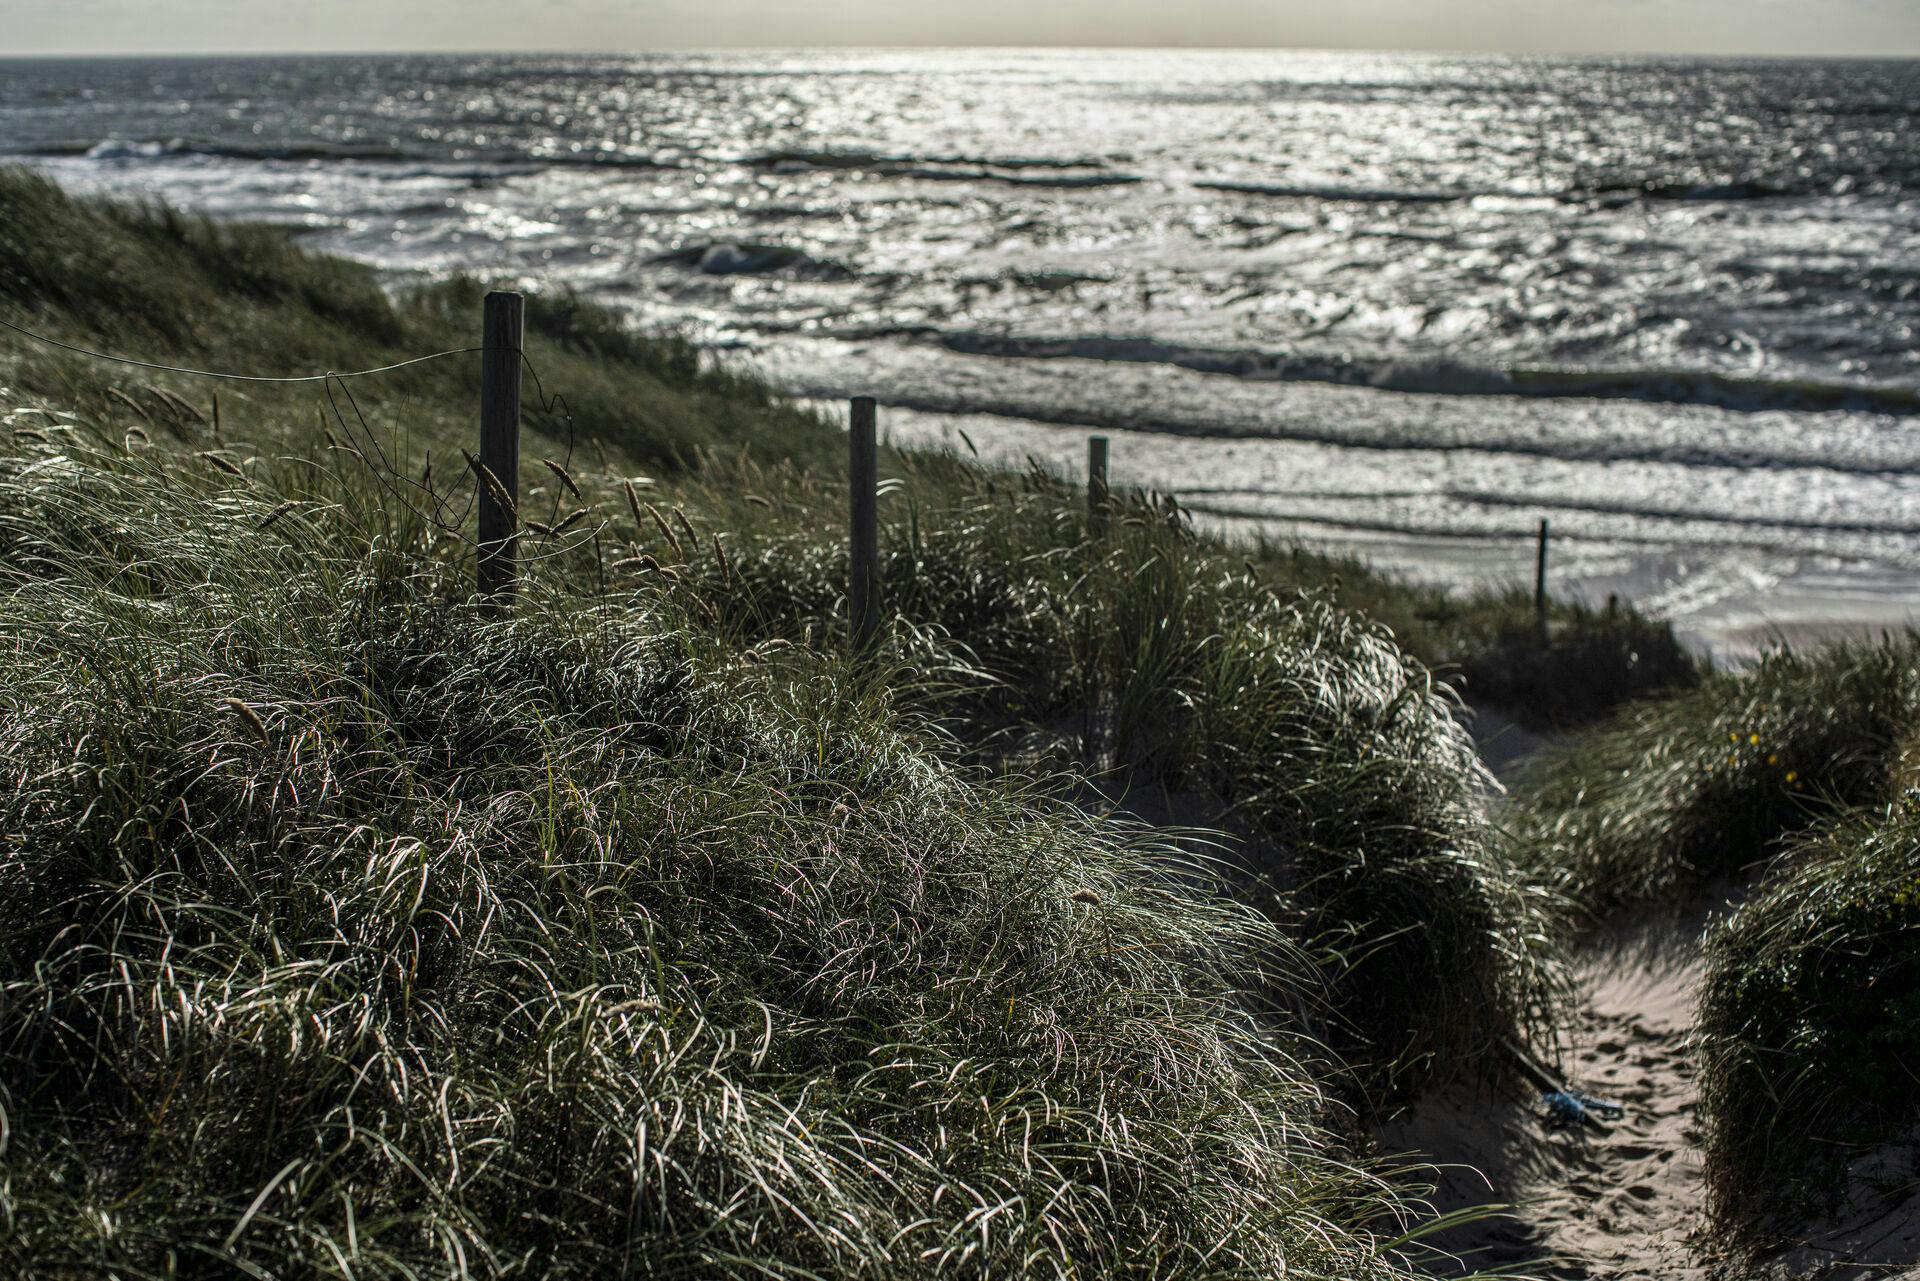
1713,781
1345,765
1157,657
1488,642
1590,662
1809,1023
1168,666
350,931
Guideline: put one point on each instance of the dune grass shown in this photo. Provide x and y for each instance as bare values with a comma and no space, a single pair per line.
152,282
1712,782
1809,1024
1795,776
1172,662
352,932
1176,669
1592,662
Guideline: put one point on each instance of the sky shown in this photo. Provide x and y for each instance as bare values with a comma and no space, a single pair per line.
1882,27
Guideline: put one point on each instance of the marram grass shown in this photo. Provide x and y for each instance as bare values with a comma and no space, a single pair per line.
162,285
1712,782
1237,678
1177,668
351,933
1809,1024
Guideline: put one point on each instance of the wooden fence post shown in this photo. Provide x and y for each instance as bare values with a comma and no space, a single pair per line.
1540,583
503,327
863,535
1097,490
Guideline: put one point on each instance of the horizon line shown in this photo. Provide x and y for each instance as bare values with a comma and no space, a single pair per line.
1401,51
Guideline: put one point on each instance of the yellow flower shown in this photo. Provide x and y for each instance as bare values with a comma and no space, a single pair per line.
1792,775
1733,738
1753,740
1773,758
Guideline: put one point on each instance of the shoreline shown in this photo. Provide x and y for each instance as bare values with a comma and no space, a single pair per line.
1710,548
1738,527
1728,604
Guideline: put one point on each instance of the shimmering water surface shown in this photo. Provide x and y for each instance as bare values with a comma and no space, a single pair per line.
1402,304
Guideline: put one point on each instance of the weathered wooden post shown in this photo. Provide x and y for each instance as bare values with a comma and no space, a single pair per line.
503,326
1540,583
863,534
1097,490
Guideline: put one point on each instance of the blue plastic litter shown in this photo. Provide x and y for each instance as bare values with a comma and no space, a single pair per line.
1570,1107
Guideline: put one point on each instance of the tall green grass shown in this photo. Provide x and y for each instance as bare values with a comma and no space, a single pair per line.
1243,680
1172,667
1781,776
1712,782
1809,1025
351,932
354,931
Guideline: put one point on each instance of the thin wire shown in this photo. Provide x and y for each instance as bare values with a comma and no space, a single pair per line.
548,405
386,463
238,378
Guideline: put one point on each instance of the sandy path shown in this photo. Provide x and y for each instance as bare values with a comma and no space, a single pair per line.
1616,1205
1628,1204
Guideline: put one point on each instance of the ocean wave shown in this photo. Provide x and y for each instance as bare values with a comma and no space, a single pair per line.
1662,386
1651,189
1739,452
1446,528
871,159
1017,171
1337,195
732,259
1067,180
453,162
1653,512
600,160
1733,190
153,148
1051,282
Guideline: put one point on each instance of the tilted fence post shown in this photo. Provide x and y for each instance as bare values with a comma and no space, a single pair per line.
503,326
863,535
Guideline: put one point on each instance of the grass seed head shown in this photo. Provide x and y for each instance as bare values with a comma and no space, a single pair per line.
666,531
247,717
562,474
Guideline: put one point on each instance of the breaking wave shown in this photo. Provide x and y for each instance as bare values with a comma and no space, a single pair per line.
1663,386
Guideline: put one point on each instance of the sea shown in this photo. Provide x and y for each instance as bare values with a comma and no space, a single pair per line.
1400,305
